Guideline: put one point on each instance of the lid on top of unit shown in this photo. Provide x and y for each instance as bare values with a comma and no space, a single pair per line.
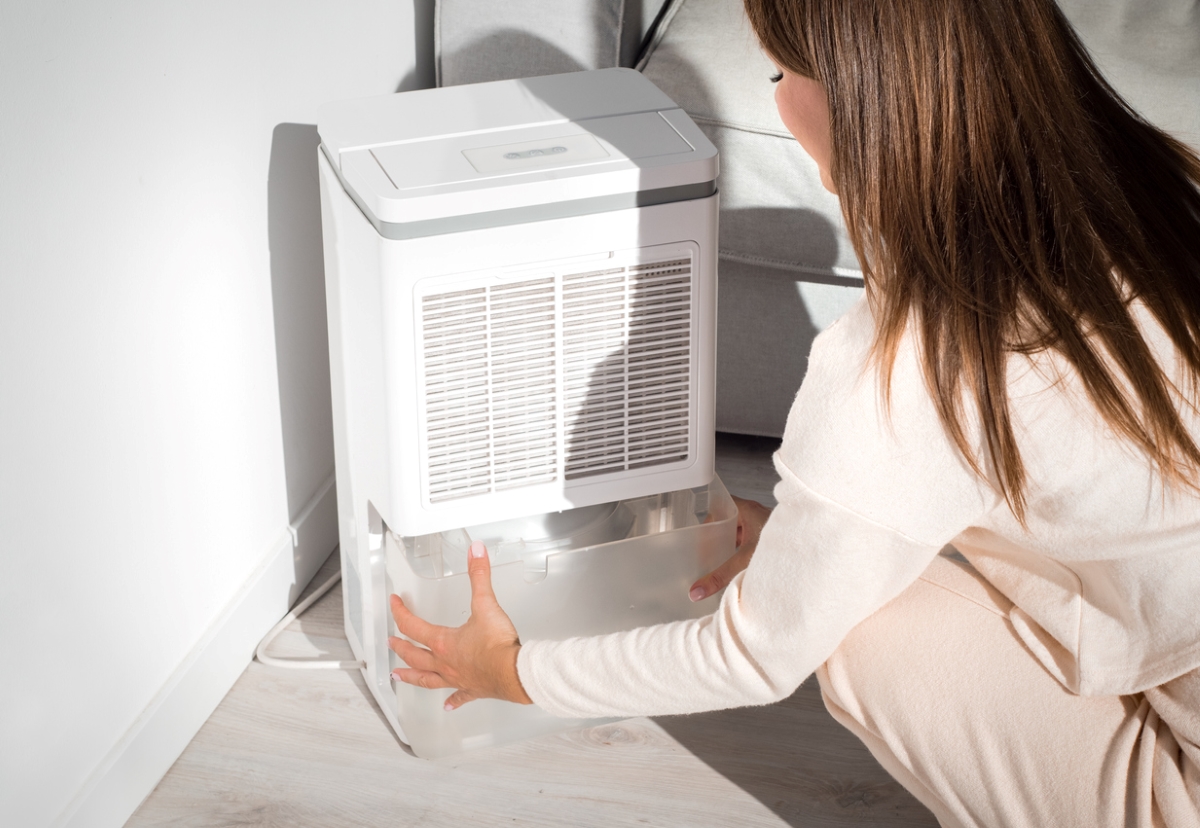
598,140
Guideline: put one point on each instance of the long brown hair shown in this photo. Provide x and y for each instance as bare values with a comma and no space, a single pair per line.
1003,198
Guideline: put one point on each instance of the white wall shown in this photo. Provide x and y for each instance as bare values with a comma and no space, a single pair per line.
164,405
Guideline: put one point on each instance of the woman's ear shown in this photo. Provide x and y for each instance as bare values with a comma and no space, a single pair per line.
804,109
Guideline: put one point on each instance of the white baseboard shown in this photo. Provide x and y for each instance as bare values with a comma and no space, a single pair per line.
146,752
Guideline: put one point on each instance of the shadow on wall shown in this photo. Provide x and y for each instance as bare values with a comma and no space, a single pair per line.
301,332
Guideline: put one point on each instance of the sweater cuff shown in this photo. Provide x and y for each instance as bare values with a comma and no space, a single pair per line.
527,673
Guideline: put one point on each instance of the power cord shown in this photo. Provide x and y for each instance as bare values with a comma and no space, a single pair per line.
303,663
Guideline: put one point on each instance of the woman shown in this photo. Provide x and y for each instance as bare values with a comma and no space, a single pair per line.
1021,382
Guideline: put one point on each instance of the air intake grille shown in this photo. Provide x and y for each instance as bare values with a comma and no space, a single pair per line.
490,397
615,341
627,347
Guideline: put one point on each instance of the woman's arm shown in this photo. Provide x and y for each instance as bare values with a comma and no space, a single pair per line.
869,492
819,570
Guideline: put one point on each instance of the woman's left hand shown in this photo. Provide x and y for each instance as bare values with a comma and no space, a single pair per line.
478,659
752,516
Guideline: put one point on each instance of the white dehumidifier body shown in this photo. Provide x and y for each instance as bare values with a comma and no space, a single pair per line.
521,289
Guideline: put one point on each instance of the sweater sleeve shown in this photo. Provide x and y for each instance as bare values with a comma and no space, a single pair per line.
892,491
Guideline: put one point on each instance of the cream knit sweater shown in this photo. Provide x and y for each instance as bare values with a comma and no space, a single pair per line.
1105,576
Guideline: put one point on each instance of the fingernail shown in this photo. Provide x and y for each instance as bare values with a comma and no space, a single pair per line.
447,707
477,550
396,675
696,594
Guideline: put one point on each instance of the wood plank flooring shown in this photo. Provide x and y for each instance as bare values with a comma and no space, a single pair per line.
309,748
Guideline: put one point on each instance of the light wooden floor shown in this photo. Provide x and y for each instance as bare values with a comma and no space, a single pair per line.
309,748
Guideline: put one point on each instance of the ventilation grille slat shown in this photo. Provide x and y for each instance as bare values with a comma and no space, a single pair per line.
621,338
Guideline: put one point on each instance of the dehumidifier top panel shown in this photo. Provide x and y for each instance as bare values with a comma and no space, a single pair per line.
460,158
364,123
476,158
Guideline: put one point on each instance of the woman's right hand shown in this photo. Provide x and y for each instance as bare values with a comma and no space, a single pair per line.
751,517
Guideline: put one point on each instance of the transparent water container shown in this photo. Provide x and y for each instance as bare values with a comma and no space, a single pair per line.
589,571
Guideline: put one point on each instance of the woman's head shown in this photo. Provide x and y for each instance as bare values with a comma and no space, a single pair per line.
1003,198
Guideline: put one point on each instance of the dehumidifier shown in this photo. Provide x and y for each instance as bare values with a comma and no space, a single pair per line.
521,288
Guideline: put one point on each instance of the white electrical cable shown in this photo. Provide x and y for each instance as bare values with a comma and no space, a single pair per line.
302,663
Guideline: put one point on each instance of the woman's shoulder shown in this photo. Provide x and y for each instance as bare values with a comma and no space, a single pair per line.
844,372
873,447
850,333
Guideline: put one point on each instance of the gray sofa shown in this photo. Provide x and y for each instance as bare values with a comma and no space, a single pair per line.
787,269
